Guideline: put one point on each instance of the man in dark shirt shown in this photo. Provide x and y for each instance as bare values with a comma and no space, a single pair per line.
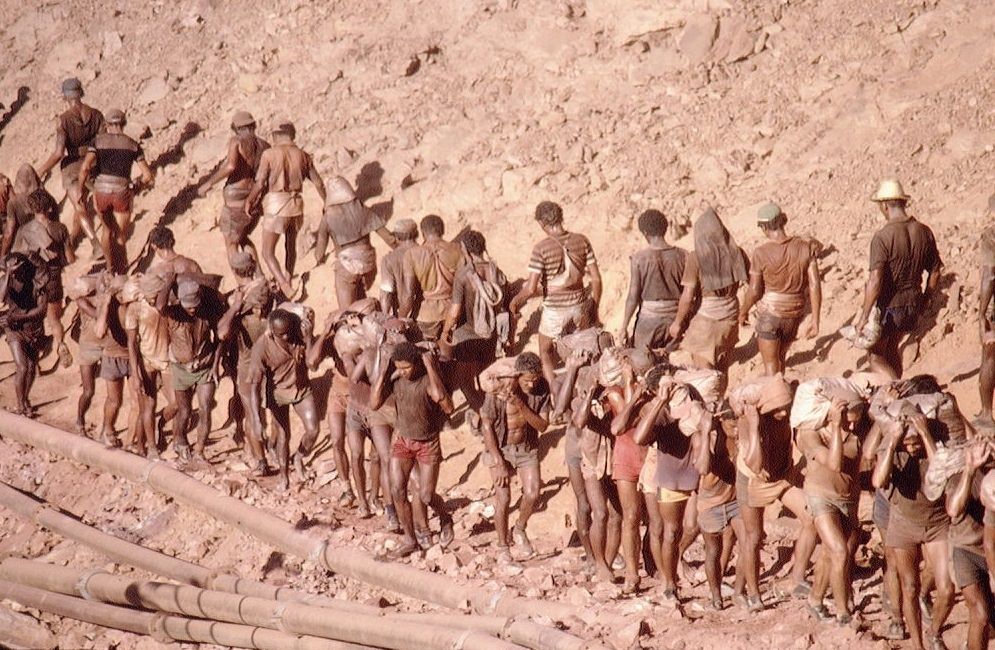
512,420
422,405
74,131
654,285
238,170
24,301
111,155
193,355
901,251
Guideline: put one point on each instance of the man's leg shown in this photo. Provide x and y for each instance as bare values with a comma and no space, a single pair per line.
290,245
112,404
770,353
181,422
584,517
205,402
357,444
53,322
531,481
598,530
979,606
548,356
713,570
833,568
672,514
938,555
884,356
252,439
428,481
381,440
749,549
119,245
336,431
400,470
628,494
907,567
281,427
348,288
502,503
986,384
654,532
808,537
307,411
22,375
88,379
269,240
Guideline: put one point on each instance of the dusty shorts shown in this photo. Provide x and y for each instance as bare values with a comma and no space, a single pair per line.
905,534
712,340
880,511
817,506
899,319
967,567
628,459
289,397
184,379
114,368
235,225
556,321
426,452
647,475
666,495
354,282
89,354
120,201
518,456
430,330
363,420
717,518
651,332
338,396
757,493
771,327
280,225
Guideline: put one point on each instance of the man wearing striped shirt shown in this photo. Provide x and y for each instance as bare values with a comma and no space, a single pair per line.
558,266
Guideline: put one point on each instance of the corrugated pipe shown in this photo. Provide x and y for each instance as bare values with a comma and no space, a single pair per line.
347,562
165,628
294,618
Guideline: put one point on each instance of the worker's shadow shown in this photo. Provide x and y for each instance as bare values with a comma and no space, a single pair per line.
15,107
929,314
369,184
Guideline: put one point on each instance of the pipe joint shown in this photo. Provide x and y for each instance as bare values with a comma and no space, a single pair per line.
157,629
84,580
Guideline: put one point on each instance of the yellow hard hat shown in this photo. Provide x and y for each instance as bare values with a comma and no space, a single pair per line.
890,190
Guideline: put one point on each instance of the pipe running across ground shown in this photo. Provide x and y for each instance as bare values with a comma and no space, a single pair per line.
295,618
281,534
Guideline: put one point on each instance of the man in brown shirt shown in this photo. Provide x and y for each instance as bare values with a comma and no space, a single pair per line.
74,131
111,155
654,285
429,272
393,292
279,358
166,262
784,273
558,267
901,251
279,181
986,322
238,170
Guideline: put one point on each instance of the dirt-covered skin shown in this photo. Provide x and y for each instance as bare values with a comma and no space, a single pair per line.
477,111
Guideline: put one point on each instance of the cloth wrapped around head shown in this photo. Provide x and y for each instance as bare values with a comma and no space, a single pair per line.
768,394
721,262
188,293
151,285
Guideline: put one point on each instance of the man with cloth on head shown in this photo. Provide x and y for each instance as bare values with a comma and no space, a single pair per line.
349,223
393,291
901,251
783,273
239,170
279,181
74,131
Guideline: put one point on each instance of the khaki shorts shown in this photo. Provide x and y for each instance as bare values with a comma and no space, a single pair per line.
518,456
184,379
647,476
967,567
280,225
905,534
710,339
717,518
558,321
665,495
757,493
89,354
114,368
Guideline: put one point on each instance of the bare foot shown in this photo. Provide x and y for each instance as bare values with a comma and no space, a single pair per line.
404,550
604,573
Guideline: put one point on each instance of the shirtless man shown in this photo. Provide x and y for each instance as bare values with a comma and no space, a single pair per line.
238,169
429,272
422,406
167,263
512,420
392,289
74,131
783,273
114,367
111,155
349,223
557,267
654,286
279,358
242,325
901,251
279,183
194,357
986,318
82,291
